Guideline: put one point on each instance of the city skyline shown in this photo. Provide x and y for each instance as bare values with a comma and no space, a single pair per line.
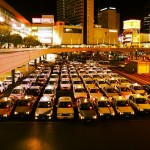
126,8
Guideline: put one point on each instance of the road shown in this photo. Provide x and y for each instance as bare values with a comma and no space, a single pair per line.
106,135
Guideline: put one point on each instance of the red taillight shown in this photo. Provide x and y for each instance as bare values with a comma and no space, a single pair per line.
69,105
7,106
28,104
90,108
127,104
108,105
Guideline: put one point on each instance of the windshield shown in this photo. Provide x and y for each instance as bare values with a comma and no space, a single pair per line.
24,103
125,89
79,90
122,103
111,90
49,91
101,82
86,106
89,82
141,100
44,104
25,82
16,91
5,104
8,78
52,82
138,88
65,82
77,82
34,92
103,104
94,91
65,104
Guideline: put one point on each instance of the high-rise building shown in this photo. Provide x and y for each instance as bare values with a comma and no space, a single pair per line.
146,18
109,18
78,12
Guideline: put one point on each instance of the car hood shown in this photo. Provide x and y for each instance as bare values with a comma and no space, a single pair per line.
87,113
4,111
104,110
125,109
77,95
95,95
144,106
65,110
43,110
22,109
139,91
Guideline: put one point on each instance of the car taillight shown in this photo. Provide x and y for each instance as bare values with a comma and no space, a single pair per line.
69,105
90,108
108,105
127,104
28,104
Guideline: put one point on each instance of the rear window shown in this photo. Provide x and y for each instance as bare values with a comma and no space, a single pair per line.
65,104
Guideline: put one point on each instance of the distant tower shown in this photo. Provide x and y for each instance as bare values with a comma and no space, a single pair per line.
109,18
78,12
146,18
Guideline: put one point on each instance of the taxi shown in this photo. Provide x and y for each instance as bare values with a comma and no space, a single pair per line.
124,90
7,106
86,109
122,106
104,107
65,109
24,107
44,109
137,89
94,92
79,91
139,103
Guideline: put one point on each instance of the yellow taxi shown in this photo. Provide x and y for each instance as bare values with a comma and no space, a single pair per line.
122,106
104,107
65,109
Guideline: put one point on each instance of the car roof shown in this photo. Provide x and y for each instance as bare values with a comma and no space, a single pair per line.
65,98
45,99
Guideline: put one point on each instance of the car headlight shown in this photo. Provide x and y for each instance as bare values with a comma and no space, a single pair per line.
132,112
113,114
5,115
15,112
121,113
94,117
81,117
36,114
101,114
48,114
27,112
141,109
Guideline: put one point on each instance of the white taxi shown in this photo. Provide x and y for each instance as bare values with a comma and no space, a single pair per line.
139,103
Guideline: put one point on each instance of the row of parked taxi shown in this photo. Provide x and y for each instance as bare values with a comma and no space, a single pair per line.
97,93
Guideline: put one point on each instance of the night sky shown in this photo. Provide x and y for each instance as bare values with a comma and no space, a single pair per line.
128,9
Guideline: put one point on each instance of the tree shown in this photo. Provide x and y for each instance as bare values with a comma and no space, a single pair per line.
16,39
31,41
4,34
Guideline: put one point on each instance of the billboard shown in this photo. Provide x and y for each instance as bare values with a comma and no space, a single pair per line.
132,24
46,19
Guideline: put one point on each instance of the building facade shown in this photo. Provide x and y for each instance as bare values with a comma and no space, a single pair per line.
109,18
145,27
11,18
78,12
